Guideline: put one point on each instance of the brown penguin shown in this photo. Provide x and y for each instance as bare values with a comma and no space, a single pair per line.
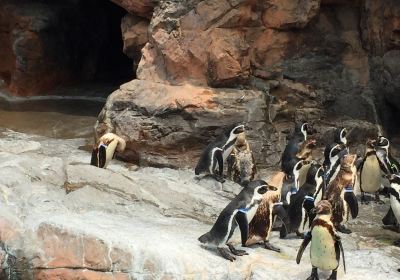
261,225
340,193
241,166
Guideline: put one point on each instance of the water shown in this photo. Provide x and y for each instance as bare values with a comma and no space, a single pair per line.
62,117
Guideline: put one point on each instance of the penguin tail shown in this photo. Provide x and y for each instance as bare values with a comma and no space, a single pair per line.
205,238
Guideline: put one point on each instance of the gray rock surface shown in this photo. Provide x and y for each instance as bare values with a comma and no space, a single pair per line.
144,224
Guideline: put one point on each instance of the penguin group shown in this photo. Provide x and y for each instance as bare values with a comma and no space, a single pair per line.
312,199
309,198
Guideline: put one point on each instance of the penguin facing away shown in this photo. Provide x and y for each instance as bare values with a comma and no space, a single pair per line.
217,152
239,212
370,173
326,245
292,147
241,164
105,148
340,193
394,192
269,209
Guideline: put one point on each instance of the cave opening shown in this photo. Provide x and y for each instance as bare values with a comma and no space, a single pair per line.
100,44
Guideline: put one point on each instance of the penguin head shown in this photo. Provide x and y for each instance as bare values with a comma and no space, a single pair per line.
343,135
306,148
394,180
323,207
348,161
258,188
382,142
314,174
335,150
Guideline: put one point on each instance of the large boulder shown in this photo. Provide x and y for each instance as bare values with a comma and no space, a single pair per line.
169,125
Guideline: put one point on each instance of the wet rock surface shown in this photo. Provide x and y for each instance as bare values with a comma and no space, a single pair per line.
143,224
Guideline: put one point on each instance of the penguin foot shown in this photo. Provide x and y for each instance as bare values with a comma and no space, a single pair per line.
364,200
314,274
237,252
219,178
271,247
378,200
343,229
333,275
397,243
226,254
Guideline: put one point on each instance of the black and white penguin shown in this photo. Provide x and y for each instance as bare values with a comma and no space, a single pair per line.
241,164
340,136
301,203
394,192
212,153
292,147
332,155
239,212
105,148
326,245
370,173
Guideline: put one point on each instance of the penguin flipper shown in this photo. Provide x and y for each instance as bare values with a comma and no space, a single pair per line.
280,211
102,156
303,246
94,159
339,249
351,200
220,161
241,219
393,192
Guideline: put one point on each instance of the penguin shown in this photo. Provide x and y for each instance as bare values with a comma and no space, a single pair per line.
292,147
370,173
105,148
340,136
340,193
394,192
270,208
290,189
239,212
388,163
241,165
332,155
212,153
389,166
326,245
304,152
301,203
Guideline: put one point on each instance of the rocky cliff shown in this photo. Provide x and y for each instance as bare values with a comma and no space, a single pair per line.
330,62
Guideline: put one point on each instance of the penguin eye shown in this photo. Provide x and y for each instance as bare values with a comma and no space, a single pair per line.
262,190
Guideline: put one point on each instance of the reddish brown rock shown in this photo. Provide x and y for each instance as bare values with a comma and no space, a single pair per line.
134,35
169,125
78,274
285,14
142,8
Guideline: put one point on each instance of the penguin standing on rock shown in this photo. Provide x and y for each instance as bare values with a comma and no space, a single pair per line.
240,211
241,165
326,245
300,135
340,193
394,192
370,173
270,208
216,153
105,148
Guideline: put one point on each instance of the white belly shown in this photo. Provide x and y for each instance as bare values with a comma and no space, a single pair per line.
227,152
322,251
303,220
371,177
395,207
110,151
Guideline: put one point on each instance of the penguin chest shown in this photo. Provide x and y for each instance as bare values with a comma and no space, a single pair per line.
371,176
322,251
395,204
346,210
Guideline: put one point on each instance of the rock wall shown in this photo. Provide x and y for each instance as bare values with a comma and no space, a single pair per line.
330,62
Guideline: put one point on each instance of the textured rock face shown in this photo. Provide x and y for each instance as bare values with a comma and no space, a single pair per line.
167,125
119,224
